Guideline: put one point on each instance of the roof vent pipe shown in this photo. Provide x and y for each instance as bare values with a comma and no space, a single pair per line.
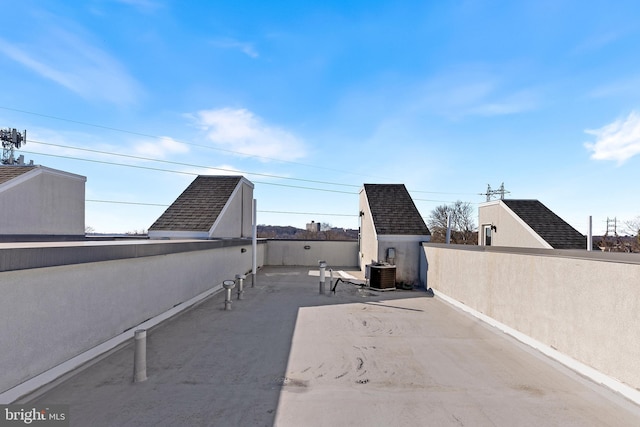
590,234
323,266
448,238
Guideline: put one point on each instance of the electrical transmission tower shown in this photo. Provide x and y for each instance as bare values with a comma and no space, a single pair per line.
612,226
11,139
490,193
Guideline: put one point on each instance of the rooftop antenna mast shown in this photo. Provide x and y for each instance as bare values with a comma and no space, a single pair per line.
490,193
11,139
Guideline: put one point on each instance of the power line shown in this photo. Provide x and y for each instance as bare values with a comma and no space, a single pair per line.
179,172
150,159
126,203
260,211
308,213
129,156
238,153
114,129
439,201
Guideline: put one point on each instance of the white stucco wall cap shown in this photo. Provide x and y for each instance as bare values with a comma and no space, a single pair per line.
168,234
403,238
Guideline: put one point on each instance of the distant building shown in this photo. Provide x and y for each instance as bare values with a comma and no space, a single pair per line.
525,223
392,230
313,227
40,203
211,207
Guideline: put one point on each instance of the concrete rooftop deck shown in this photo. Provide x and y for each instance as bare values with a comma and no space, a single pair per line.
287,356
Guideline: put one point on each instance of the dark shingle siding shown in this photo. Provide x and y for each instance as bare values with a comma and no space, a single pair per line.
7,173
553,229
198,207
393,210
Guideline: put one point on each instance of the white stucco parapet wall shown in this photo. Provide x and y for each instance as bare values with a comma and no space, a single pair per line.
88,293
581,304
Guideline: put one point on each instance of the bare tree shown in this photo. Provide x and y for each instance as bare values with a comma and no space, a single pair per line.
632,228
463,226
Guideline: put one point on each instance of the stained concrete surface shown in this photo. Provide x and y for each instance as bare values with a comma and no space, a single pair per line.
287,356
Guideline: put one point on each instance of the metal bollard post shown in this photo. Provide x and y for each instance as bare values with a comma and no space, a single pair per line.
322,265
240,279
228,285
140,356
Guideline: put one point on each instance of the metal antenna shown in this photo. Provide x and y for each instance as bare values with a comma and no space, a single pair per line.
11,139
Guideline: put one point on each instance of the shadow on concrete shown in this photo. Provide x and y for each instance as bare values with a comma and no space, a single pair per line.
208,366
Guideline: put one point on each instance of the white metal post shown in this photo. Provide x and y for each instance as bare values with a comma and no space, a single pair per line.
254,261
590,234
140,356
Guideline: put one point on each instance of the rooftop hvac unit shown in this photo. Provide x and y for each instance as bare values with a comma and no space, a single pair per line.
383,276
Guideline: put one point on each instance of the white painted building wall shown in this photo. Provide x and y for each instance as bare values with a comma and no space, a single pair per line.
235,219
409,252
43,201
369,251
373,247
510,230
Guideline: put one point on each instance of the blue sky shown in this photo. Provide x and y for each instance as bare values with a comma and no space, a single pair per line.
309,100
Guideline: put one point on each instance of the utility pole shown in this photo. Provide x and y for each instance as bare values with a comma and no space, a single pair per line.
11,139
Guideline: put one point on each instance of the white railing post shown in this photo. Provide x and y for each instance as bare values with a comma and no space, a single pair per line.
140,356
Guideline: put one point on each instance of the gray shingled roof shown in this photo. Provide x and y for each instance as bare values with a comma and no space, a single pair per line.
393,210
7,173
198,207
553,229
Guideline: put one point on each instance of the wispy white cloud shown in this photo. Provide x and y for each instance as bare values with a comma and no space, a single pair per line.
624,87
514,103
458,95
597,42
143,5
245,47
240,131
73,63
160,148
617,141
